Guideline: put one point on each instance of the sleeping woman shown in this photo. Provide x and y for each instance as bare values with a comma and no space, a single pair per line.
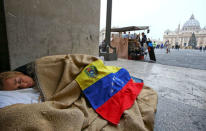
10,84
61,82
14,80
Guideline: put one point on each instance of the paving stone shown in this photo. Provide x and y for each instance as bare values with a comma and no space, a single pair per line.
181,93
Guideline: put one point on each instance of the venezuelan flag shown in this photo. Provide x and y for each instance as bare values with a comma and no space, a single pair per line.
109,89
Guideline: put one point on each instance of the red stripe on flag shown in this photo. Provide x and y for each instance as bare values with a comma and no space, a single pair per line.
113,109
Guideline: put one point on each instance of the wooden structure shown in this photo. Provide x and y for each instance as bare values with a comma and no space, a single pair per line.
128,45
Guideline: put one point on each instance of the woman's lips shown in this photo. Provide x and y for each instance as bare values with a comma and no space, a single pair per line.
29,84
32,83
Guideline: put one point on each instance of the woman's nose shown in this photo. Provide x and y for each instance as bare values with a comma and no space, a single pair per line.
24,84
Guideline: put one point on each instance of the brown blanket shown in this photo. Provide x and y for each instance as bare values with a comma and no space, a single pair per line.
66,109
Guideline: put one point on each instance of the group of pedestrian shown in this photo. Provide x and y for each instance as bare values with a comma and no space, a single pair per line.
202,48
147,43
144,44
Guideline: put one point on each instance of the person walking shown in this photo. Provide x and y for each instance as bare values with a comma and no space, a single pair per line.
200,48
167,46
154,44
151,50
162,46
144,39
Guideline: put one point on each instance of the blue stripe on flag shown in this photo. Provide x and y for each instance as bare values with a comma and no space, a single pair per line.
105,88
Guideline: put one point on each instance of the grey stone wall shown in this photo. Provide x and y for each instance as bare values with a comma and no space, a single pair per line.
37,28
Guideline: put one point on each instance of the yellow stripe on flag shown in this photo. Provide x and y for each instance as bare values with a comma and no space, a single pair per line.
94,72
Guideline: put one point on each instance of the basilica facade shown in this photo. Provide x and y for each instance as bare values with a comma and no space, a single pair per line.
191,35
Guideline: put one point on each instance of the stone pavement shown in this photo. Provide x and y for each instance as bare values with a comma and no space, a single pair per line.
181,94
182,58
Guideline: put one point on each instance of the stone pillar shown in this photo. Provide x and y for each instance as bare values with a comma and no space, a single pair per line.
37,28
4,54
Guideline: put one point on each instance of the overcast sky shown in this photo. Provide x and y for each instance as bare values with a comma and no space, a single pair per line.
158,14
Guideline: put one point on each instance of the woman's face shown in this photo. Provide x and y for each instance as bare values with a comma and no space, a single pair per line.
20,81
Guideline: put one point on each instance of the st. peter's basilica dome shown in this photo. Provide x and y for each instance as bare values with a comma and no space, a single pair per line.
191,25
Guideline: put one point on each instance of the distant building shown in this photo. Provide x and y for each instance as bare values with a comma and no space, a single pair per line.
102,35
190,36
